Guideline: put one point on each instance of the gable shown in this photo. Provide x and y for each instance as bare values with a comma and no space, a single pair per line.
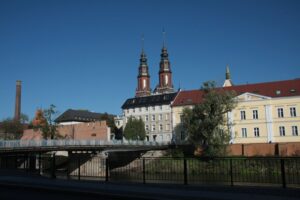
247,96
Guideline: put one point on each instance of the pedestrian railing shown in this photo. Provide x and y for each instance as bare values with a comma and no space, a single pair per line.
278,171
61,143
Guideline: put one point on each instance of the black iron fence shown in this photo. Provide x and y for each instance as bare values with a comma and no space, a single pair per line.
224,170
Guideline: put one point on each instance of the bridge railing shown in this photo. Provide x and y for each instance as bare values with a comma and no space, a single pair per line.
68,142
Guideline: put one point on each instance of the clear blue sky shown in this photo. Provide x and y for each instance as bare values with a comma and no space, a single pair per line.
85,54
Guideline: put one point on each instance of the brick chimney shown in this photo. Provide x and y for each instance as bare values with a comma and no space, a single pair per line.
18,101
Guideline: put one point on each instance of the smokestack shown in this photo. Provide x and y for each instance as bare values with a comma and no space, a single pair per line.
18,101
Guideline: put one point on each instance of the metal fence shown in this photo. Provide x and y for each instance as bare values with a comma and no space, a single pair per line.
229,171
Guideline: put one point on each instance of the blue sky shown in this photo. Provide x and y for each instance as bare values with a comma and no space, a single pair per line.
85,54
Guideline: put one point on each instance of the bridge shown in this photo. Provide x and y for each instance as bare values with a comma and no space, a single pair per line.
31,146
62,152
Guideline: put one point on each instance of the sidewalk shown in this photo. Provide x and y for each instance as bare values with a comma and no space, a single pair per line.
147,191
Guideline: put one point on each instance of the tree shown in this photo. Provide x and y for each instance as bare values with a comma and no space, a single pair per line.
110,121
12,129
49,129
135,129
206,122
24,118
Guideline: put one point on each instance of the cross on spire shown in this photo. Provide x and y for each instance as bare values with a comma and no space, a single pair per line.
164,37
142,41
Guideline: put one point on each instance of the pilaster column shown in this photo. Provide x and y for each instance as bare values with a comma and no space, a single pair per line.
269,121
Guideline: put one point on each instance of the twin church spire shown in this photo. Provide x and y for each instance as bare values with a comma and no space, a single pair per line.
165,84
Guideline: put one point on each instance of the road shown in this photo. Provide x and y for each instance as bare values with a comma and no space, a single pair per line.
17,193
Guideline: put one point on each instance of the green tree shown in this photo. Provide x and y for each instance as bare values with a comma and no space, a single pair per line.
49,129
12,129
135,129
206,123
24,118
110,121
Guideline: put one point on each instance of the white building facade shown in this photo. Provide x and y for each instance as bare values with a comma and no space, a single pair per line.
156,113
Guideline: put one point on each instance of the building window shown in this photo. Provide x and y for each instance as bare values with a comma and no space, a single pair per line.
146,108
153,127
293,111
281,130
140,109
160,107
181,118
182,135
146,118
243,115
153,108
153,117
255,114
147,127
127,111
167,127
160,117
133,110
244,132
167,116
280,112
256,132
295,130
160,127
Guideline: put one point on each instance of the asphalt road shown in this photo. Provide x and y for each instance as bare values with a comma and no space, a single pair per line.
17,193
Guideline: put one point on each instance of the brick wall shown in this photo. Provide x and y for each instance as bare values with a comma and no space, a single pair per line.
279,149
82,131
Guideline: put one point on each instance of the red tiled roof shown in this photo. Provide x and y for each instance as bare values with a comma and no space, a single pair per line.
271,89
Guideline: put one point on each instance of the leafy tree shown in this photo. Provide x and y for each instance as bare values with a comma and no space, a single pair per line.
12,129
206,122
110,120
24,118
49,129
135,129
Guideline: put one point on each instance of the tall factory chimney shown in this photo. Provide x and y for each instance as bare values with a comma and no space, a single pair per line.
18,101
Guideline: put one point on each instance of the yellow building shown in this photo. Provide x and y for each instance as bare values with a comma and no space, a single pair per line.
265,112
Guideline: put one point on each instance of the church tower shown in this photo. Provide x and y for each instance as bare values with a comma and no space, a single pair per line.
165,84
143,87
227,82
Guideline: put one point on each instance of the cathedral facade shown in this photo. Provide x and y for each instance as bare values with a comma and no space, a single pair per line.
153,107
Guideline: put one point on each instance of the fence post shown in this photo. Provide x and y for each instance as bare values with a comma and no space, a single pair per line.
144,172
40,164
283,173
68,165
16,162
231,173
53,166
185,171
78,167
106,169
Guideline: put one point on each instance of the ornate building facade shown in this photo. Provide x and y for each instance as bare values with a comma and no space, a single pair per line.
265,112
154,108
